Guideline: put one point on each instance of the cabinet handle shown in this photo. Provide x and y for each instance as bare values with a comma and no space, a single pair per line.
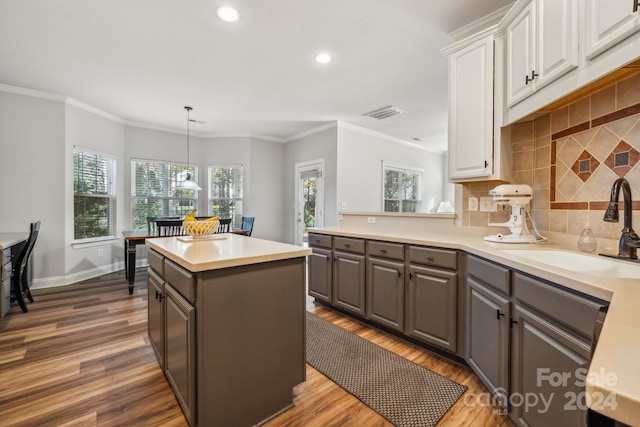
636,3
498,314
513,322
157,293
486,164
384,251
160,297
346,245
328,258
429,258
533,76
399,274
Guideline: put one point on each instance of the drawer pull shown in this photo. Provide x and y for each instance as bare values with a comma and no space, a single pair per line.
384,251
429,258
346,245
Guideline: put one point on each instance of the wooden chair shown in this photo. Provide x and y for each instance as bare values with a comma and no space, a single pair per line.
247,224
225,225
170,227
19,276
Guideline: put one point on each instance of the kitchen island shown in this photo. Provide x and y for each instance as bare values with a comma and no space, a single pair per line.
226,320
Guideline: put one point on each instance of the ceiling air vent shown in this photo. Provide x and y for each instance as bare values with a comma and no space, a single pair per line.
383,113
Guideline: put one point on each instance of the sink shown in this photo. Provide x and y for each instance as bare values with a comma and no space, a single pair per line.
583,263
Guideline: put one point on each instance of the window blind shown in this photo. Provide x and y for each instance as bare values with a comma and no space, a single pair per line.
226,192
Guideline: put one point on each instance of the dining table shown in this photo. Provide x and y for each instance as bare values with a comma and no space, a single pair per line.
133,238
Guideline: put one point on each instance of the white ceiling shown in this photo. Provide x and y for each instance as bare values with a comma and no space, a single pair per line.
143,60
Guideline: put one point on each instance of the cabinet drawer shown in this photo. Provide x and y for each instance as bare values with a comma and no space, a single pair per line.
489,273
435,257
6,254
319,241
348,244
182,280
574,311
386,250
156,262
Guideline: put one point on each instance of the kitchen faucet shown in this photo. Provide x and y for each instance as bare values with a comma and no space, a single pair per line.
629,240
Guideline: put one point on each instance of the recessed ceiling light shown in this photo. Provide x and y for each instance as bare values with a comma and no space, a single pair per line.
323,58
229,14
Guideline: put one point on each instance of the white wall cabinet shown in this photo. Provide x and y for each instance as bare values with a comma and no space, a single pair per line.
472,154
608,22
541,45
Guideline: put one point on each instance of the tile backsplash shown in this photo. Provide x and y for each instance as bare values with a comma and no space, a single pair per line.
570,157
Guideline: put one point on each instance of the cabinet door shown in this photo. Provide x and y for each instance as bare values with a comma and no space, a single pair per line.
348,282
180,350
557,39
432,306
471,111
385,292
155,313
488,338
320,275
550,364
520,45
607,22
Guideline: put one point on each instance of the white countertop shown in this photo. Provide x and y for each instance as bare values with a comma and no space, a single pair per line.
10,239
228,250
618,350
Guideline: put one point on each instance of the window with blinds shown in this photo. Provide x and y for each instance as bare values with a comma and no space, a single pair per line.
401,188
154,193
94,195
225,193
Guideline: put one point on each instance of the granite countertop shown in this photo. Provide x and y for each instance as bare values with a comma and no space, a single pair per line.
10,239
618,350
226,250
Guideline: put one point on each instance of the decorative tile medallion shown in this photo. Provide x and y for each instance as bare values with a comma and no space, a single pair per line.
622,159
585,165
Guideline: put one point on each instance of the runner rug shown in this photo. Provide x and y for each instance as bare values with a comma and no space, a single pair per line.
404,393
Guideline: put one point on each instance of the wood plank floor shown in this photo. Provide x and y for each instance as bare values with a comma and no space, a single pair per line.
81,357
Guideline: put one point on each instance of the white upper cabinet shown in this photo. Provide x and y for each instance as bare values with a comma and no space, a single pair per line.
471,106
541,45
608,22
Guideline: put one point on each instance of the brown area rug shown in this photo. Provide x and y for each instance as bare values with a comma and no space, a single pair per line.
404,393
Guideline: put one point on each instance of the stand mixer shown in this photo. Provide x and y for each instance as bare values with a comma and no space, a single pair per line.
517,196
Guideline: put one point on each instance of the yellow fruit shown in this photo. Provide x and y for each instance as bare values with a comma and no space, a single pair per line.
213,218
191,216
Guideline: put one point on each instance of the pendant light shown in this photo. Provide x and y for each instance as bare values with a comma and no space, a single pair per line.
188,184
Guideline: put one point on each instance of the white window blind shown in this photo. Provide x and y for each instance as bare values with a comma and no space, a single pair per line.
401,188
226,192
154,193
94,198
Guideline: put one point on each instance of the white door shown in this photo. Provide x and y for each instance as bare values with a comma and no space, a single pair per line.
309,203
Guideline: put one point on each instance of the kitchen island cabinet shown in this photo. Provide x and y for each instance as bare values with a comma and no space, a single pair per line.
226,318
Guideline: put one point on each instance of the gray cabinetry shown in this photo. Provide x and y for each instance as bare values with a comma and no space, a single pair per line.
385,284
349,275
155,311
180,350
321,267
432,296
529,342
5,281
488,314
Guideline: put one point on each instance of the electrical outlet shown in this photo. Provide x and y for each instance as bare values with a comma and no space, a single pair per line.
100,252
371,220
488,205
473,203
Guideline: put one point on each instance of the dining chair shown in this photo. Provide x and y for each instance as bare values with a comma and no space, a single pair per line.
151,225
247,224
19,276
225,225
169,227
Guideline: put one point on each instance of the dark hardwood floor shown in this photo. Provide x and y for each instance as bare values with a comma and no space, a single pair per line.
81,357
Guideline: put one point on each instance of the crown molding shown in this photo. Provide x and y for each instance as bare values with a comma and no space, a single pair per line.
360,129
311,131
478,25
91,109
32,93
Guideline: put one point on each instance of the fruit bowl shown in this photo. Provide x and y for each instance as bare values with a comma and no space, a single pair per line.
200,229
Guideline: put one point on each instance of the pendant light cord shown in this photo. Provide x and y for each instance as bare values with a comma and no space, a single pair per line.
188,121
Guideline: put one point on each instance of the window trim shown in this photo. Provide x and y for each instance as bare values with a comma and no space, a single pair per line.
210,186
403,168
112,185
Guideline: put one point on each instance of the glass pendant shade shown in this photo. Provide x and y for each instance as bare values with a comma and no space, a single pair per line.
188,184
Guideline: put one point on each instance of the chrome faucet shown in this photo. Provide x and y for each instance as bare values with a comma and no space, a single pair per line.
629,240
